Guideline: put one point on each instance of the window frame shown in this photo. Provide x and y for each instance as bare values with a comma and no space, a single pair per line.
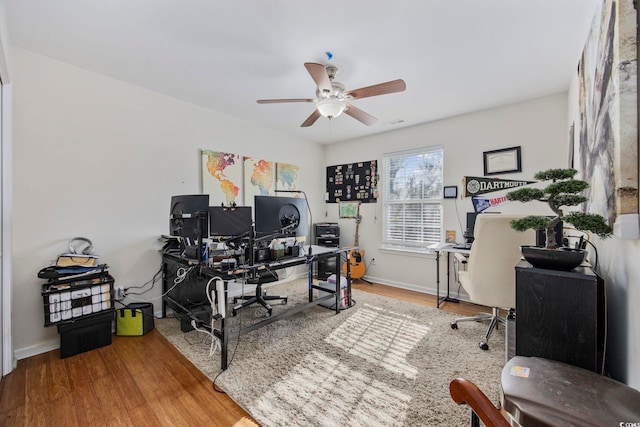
434,206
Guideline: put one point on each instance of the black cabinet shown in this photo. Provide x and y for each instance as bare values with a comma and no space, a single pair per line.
327,234
560,315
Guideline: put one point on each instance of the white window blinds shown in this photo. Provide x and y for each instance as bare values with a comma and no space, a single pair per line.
412,197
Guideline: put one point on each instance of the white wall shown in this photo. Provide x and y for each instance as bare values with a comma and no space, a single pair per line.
99,158
538,126
619,267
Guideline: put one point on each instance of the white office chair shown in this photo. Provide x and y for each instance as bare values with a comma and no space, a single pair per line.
490,276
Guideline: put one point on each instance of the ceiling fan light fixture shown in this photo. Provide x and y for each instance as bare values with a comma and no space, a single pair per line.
330,107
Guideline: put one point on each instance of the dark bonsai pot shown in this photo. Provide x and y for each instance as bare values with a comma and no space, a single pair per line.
553,259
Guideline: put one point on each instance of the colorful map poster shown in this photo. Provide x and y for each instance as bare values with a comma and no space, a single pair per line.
287,176
259,179
221,177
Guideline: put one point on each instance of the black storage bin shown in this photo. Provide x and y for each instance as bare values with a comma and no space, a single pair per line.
86,333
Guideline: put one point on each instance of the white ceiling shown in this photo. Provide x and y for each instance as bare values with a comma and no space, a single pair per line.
456,56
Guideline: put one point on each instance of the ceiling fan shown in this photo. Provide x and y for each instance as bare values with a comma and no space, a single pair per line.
332,99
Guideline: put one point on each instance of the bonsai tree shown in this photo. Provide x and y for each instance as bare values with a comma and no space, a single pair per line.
563,191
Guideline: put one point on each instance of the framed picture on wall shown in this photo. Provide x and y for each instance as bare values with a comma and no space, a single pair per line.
451,192
505,160
348,209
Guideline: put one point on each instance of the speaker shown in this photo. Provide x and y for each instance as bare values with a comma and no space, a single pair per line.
263,254
80,245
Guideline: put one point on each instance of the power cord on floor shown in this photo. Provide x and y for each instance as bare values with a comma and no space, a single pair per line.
235,348
215,341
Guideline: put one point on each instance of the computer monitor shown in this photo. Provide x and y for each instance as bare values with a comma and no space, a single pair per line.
287,216
230,221
470,226
185,214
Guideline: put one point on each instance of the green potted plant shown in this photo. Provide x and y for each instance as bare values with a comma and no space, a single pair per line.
562,191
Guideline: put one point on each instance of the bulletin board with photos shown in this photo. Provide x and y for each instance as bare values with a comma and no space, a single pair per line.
352,182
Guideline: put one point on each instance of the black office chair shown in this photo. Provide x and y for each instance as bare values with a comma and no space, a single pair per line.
260,297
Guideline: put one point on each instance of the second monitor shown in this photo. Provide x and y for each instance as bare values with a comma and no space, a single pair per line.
230,221
281,215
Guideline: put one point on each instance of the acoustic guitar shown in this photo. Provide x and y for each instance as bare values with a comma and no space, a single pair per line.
355,257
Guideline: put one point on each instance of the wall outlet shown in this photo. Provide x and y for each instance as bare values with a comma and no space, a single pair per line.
118,293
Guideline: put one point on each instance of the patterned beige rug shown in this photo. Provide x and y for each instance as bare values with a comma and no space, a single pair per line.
383,362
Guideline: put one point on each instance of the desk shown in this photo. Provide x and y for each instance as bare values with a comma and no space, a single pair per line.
449,249
188,297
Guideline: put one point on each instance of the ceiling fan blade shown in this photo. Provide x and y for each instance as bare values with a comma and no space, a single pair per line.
379,89
311,119
319,75
360,115
277,101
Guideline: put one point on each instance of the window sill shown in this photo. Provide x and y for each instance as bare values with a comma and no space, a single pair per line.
415,252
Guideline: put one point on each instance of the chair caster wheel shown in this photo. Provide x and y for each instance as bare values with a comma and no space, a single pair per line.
267,314
483,345
454,325
233,313
283,302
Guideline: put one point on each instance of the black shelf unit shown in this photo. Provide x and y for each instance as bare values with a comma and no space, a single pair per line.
326,234
560,315
82,309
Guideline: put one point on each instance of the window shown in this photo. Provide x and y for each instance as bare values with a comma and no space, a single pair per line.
412,197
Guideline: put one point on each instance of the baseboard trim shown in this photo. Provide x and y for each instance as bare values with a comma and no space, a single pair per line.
425,290
34,350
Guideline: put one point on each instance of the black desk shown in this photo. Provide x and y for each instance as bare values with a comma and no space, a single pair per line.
188,296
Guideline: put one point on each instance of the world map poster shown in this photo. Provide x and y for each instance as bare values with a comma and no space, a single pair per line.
287,176
222,177
259,179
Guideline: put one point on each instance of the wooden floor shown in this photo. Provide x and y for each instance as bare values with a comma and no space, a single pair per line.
141,381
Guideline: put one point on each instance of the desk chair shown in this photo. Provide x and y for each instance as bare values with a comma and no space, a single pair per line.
490,276
260,297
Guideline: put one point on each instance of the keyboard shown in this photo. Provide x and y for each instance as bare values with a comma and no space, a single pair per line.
462,246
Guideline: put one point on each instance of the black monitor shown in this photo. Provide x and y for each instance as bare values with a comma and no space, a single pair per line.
287,216
185,213
230,221
470,226
471,221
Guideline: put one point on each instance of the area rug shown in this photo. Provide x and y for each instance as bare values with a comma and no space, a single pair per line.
382,362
